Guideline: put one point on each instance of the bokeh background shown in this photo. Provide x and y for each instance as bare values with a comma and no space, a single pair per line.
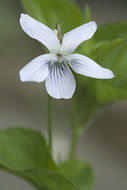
105,143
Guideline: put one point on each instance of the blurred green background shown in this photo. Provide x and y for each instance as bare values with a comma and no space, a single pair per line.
105,143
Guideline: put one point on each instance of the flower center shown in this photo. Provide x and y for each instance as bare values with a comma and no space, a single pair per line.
59,57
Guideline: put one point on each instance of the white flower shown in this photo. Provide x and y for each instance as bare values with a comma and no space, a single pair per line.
54,67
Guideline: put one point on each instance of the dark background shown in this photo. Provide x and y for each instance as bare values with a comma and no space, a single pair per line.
105,143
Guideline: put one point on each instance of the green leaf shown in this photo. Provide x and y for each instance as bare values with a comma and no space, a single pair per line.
23,152
50,12
24,148
87,13
78,172
43,179
92,95
111,31
113,56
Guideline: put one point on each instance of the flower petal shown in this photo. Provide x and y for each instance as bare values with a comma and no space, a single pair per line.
38,69
74,38
86,66
60,83
39,32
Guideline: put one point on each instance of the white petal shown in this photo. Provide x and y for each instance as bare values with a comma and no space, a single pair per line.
60,83
74,38
38,69
39,32
86,66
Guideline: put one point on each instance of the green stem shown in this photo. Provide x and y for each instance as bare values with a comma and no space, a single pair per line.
50,123
74,143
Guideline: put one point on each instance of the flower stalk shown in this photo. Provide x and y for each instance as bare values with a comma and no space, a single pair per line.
49,123
74,143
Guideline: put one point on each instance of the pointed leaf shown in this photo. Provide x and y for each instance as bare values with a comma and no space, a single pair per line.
79,173
24,153
92,95
24,148
42,179
111,31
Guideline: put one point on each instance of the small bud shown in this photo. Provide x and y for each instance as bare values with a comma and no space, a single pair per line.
58,32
